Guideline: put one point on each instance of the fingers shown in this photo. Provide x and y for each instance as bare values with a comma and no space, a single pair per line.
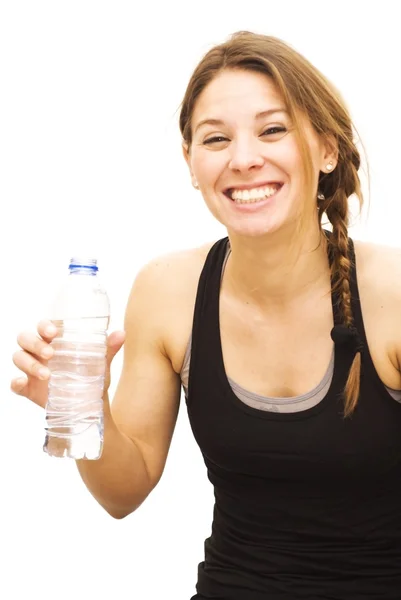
36,351
47,330
29,342
33,389
116,339
114,342
29,365
39,347
34,354
19,386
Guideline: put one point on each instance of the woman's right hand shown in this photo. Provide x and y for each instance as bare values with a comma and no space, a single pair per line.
36,351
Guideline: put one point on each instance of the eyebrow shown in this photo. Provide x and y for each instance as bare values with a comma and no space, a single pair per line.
261,115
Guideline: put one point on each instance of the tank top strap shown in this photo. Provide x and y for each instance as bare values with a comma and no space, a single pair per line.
355,298
205,328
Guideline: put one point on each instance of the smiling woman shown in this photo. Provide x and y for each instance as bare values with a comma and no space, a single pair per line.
289,358
263,129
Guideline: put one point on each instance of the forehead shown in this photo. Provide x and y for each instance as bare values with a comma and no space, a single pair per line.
237,90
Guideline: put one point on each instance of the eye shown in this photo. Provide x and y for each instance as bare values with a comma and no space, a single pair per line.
215,140
275,133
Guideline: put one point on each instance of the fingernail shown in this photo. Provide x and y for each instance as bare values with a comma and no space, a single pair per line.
50,330
47,352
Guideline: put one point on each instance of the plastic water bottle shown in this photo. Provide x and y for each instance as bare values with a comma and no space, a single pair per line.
74,410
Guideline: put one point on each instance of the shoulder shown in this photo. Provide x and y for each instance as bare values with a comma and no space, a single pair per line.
164,294
173,272
379,283
379,266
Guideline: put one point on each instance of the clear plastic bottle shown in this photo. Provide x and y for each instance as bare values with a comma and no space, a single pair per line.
74,410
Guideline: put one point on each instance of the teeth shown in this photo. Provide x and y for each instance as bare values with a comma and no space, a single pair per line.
254,195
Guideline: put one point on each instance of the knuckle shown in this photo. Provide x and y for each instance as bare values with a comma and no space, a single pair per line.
35,366
39,347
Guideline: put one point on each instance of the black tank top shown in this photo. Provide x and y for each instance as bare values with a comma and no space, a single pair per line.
307,504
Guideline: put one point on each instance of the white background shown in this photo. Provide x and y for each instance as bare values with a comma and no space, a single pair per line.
90,161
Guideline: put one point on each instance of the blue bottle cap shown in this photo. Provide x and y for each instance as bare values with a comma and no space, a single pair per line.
83,263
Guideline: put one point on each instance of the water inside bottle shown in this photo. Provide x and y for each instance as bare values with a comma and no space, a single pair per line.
74,411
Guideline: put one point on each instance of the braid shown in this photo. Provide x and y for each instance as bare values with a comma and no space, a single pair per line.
337,211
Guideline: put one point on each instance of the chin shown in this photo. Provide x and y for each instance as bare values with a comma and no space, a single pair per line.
253,228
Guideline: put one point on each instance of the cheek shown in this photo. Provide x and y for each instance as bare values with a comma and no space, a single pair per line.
207,167
291,157
283,155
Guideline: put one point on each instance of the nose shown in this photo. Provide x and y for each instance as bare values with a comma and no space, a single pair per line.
246,155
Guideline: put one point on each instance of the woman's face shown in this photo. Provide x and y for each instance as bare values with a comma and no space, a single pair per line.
244,155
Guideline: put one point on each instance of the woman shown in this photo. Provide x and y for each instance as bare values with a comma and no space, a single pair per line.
290,366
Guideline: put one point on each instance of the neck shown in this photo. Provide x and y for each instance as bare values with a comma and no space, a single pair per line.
278,270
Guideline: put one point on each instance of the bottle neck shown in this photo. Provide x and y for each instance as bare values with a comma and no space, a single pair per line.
88,271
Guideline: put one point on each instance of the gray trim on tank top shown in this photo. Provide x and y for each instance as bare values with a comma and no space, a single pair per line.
281,405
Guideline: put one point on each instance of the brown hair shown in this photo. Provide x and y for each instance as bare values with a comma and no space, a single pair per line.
305,90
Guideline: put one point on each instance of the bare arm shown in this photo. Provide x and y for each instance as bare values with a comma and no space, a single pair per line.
140,424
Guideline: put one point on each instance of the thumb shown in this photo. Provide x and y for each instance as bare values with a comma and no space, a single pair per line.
114,343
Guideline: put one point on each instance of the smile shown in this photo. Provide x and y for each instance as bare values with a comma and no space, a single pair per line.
253,195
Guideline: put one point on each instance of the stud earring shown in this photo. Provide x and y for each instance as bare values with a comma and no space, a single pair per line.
329,167
195,184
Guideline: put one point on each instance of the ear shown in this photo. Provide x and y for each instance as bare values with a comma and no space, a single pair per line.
187,157
330,152
185,151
